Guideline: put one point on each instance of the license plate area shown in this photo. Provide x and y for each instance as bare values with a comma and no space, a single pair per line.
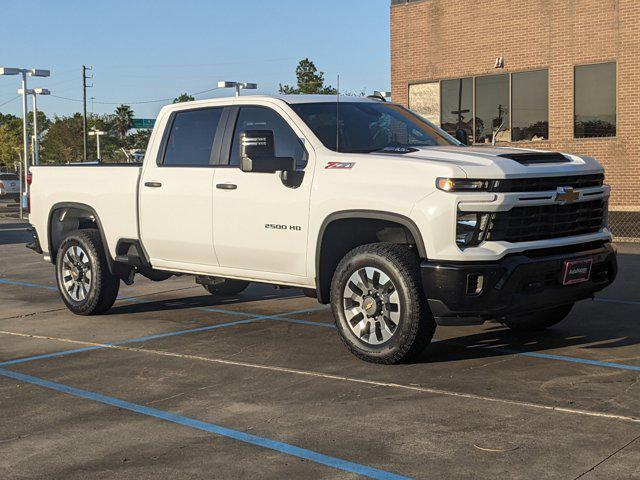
577,271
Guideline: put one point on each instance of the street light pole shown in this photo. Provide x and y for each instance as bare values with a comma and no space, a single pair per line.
32,72
97,134
238,86
25,126
36,142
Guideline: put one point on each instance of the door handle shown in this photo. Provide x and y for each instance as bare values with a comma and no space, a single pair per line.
152,184
226,186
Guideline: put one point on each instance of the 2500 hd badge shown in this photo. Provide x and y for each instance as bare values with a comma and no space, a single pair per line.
277,226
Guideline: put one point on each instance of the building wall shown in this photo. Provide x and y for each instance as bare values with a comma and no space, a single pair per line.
439,39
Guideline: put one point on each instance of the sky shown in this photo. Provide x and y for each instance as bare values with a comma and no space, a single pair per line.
143,50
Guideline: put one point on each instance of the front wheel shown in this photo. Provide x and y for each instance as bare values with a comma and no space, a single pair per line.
532,322
380,311
85,283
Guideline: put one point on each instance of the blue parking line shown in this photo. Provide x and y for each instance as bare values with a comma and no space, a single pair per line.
282,447
26,284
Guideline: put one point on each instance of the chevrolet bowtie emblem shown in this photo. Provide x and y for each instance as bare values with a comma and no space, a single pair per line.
566,195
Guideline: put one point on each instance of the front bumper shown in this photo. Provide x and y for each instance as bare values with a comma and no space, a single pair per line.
519,283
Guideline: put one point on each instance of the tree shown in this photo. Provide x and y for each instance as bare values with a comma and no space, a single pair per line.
10,141
63,141
183,97
123,120
309,80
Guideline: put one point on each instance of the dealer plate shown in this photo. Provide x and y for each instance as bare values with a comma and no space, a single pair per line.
577,271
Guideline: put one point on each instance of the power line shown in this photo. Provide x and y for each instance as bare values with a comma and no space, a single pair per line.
9,101
101,102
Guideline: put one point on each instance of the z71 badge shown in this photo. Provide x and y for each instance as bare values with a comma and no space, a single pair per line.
342,165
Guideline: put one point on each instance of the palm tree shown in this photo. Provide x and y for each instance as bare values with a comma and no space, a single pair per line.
123,120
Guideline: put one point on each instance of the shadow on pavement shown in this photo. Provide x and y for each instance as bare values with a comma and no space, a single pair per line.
12,233
206,301
499,341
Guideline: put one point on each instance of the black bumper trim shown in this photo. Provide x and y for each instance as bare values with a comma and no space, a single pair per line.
518,283
35,244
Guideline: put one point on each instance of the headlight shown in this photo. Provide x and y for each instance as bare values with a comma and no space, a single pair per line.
471,228
463,185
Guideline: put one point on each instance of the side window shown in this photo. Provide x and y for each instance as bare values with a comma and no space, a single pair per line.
287,143
191,137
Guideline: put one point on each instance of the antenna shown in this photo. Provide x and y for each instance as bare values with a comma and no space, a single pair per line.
338,116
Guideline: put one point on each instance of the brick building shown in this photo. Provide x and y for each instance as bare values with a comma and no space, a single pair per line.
550,74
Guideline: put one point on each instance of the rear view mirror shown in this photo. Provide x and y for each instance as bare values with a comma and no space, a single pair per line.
257,151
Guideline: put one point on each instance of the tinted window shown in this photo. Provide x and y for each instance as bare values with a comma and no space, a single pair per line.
191,137
530,100
595,100
369,126
287,143
492,108
457,105
9,176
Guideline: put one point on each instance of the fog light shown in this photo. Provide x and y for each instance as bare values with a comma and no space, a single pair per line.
475,283
471,228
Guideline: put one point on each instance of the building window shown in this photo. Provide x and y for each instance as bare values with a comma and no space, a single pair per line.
424,99
456,105
492,108
594,107
530,105
513,107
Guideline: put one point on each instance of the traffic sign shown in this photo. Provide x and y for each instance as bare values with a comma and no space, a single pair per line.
144,122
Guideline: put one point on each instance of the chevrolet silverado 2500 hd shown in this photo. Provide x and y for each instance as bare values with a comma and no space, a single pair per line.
359,202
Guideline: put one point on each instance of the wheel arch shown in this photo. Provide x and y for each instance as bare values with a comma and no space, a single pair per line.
379,226
59,224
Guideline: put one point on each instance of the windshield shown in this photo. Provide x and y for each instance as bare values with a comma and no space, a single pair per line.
369,126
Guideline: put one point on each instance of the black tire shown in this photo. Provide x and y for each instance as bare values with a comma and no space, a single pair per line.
536,321
416,325
227,288
103,289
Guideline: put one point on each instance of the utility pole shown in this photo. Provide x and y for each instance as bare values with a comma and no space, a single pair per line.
84,109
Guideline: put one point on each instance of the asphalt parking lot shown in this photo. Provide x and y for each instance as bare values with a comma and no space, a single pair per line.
173,383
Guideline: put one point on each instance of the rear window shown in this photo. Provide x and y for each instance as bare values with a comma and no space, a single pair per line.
8,176
191,137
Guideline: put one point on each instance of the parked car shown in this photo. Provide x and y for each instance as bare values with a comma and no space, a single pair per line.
9,187
361,203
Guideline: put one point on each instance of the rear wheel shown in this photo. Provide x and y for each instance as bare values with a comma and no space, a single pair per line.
85,283
539,320
227,287
380,311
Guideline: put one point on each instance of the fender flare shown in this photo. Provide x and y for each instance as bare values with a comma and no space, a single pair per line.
94,214
374,215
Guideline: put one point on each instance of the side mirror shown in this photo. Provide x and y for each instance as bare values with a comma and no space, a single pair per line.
257,152
461,136
267,164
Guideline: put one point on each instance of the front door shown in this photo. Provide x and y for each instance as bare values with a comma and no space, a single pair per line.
260,222
176,194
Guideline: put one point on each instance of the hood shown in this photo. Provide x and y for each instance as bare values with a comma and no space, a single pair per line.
504,162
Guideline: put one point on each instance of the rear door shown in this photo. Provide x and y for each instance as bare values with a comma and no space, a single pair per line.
176,211
261,222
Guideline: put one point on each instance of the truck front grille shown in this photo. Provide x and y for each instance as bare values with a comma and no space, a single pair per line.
547,183
540,222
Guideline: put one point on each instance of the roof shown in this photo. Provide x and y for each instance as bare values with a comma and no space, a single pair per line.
321,98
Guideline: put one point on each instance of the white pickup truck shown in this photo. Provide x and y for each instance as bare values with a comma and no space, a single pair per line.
359,202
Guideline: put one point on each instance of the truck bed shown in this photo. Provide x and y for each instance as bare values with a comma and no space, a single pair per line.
111,190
